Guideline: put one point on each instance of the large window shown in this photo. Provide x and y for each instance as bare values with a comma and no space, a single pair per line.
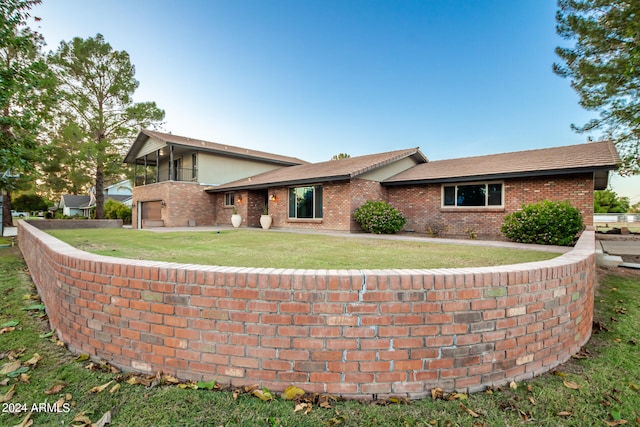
472,195
305,202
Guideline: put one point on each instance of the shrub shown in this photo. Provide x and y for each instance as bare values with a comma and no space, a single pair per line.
544,223
379,218
117,210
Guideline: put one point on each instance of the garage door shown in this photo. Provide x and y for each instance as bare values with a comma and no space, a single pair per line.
151,211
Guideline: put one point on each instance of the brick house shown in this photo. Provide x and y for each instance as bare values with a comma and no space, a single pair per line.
454,197
171,173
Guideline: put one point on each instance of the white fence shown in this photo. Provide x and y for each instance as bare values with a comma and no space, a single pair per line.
615,218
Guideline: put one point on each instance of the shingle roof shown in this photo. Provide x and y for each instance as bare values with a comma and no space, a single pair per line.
75,201
214,147
332,170
567,159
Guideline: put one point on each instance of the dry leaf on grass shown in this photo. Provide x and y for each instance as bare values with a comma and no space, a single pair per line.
26,421
10,367
57,388
8,395
292,392
469,411
571,385
104,420
565,413
34,360
100,388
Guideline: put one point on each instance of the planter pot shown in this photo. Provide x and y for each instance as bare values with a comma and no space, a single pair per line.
265,221
236,220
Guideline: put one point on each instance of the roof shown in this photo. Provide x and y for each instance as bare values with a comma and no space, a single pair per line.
74,201
206,146
332,170
589,157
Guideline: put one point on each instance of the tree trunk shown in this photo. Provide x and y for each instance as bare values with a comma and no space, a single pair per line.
7,219
99,192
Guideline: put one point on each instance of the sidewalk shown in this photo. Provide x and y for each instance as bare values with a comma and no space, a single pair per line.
10,231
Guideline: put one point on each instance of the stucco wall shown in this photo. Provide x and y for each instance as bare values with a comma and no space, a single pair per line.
355,333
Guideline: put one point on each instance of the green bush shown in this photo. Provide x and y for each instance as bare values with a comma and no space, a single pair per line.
544,223
117,210
379,218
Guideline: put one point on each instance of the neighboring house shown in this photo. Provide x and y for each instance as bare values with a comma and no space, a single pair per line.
76,205
469,196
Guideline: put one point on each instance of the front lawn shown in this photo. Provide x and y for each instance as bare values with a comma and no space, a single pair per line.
255,248
599,388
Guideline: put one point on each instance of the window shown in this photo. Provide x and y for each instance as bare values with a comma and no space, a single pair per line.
472,195
305,202
194,166
229,199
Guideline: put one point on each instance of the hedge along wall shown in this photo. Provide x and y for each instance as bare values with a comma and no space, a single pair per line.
355,333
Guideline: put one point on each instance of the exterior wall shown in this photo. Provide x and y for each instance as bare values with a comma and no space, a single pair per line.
355,333
421,204
185,201
215,170
383,172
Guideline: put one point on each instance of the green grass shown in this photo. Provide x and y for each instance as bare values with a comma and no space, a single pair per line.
608,379
255,248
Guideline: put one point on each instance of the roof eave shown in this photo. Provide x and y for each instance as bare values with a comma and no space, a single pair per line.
489,177
289,183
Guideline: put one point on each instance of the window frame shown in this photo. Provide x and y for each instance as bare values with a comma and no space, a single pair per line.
229,195
474,183
315,208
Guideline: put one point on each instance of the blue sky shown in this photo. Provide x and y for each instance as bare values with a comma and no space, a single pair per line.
312,79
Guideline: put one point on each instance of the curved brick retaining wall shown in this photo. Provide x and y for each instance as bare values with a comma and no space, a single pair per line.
354,333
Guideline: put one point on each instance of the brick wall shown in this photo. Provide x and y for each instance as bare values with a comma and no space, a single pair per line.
355,333
185,201
421,204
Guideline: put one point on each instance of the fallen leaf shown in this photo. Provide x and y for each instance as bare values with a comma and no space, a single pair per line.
170,379
24,378
303,406
26,421
210,385
36,307
8,395
104,420
47,335
10,367
565,413
469,411
115,388
59,403
34,360
8,329
101,388
236,394
634,387
10,324
18,372
250,388
264,394
616,423
513,385
57,388
292,392
571,385
532,400
81,418
437,393
82,358
560,374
